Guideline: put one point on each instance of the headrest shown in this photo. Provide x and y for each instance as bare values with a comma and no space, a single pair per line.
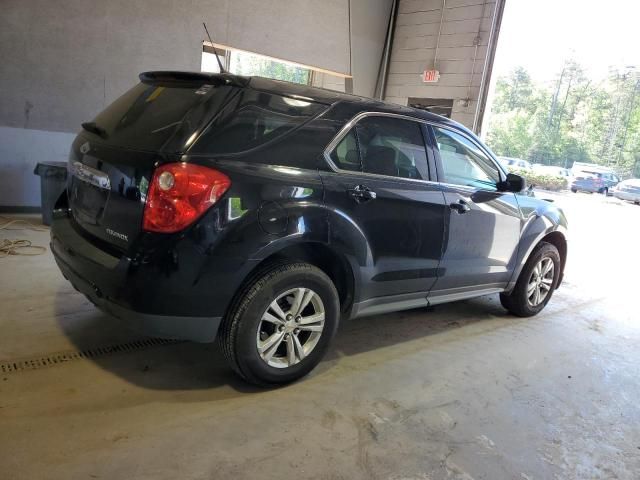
380,160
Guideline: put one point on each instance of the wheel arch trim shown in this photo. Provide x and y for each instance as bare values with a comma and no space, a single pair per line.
538,231
342,269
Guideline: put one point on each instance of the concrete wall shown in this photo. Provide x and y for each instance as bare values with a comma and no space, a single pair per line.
369,22
63,61
20,150
330,82
414,43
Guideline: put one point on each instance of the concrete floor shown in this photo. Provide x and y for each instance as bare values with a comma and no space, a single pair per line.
464,391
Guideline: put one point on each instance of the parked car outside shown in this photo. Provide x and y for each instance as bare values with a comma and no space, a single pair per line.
552,170
628,190
515,163
587,177
610,181
544,179
263,213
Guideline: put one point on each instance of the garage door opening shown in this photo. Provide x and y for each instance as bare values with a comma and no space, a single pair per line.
243,62
570,95
253,64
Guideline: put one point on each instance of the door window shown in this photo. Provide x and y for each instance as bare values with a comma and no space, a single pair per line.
463,162
381,145
392,146
345,155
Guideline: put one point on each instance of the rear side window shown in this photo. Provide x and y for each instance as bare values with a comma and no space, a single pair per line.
345,155
252,119
381,145
391,146
161,116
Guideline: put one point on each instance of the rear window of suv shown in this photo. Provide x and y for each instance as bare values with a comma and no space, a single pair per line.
161,116
167,116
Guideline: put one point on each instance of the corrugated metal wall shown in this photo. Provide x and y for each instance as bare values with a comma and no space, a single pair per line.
414,48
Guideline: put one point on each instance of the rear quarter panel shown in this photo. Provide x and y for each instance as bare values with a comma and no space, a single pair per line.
267,208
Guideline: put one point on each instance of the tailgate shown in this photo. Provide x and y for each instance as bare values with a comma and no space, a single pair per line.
106,190
112,161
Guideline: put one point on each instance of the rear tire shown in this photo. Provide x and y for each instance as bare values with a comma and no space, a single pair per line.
540,276
268,343
574,190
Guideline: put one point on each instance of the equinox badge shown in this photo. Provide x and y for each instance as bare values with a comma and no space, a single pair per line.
119,235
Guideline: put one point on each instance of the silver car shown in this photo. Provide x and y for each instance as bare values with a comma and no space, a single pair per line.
510,163
628,190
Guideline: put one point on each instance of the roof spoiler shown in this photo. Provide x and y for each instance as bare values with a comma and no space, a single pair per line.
175,77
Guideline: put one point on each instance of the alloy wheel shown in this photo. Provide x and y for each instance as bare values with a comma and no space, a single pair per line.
540,282
290,327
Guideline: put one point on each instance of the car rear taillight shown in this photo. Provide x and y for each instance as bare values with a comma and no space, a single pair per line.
179,194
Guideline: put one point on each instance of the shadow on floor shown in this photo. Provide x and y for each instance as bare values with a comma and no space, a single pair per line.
193,366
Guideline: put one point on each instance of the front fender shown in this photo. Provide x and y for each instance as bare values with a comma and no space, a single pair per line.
540,220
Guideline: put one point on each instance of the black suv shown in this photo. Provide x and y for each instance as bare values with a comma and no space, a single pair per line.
262,213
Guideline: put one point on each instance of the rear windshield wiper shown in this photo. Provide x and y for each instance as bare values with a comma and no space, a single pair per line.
93,128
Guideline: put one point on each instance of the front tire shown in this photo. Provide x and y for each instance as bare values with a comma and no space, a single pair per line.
536,283
281,324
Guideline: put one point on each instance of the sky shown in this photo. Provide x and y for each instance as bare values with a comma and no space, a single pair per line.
540,34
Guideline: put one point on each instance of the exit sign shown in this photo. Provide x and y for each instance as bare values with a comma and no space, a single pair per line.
430,76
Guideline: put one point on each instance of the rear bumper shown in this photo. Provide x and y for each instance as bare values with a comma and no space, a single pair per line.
586,187
108,282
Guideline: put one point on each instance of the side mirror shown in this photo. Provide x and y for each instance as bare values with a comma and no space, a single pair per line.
513,183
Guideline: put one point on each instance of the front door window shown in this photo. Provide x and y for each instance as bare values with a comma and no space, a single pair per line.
463,162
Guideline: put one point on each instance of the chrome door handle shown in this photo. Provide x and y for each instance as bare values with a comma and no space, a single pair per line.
362,194
460,206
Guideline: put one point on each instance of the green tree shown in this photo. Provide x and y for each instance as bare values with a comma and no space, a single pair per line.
574,119
243,63
514,92
514,109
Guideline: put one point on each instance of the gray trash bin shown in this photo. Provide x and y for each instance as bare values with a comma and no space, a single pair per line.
53,180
